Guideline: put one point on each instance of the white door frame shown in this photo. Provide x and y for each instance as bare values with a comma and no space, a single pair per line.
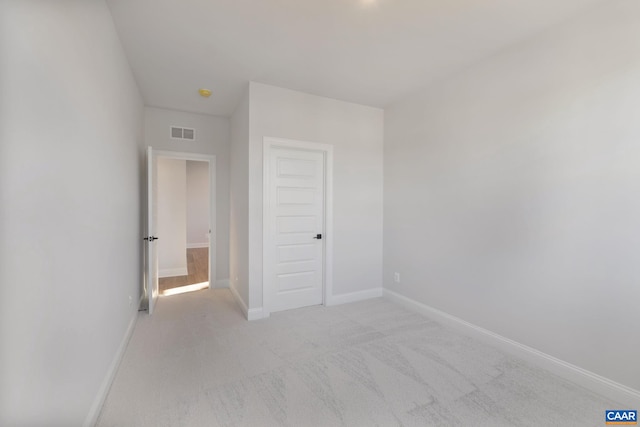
327,150
211,159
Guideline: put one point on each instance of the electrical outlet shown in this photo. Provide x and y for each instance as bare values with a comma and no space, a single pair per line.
396,277
130,300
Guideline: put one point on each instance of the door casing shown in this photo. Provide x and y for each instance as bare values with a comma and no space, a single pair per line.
327,150
211,159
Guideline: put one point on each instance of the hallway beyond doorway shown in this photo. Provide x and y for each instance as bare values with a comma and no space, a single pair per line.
197,267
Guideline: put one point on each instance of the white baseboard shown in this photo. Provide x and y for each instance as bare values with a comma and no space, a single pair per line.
258,312
255,314
173,272
249,314
222,284
589,380
94,412
239,300
197,245
354,296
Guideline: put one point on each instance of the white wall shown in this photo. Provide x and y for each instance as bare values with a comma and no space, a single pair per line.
197,204
239,200
212,137
511,193
356,132
172,217
70,245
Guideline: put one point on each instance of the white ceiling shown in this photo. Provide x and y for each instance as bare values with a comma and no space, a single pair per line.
365,51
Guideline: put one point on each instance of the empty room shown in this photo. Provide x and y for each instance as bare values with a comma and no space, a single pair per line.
329,213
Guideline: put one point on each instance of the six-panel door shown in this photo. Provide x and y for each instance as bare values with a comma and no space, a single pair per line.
296,220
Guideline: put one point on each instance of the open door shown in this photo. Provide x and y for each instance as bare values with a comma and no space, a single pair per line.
152,220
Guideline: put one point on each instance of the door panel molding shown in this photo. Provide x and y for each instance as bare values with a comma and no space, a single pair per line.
285,170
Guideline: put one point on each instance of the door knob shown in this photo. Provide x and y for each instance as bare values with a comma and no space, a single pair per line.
318,236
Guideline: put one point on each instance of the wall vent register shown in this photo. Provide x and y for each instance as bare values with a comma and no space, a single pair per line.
183,133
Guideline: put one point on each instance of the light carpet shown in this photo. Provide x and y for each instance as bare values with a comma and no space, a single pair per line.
198,362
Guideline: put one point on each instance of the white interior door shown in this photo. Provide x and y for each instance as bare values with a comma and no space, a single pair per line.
295,250
152,219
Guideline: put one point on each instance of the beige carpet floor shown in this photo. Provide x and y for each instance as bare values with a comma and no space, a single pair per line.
197,362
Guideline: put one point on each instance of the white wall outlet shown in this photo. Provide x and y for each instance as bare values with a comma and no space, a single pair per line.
130,300
396,277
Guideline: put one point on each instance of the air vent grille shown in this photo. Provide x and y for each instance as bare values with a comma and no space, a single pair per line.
183,133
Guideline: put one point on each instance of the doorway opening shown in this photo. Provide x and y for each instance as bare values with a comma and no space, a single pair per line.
181,250
183,220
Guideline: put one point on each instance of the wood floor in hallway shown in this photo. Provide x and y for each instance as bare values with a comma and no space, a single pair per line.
197,267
